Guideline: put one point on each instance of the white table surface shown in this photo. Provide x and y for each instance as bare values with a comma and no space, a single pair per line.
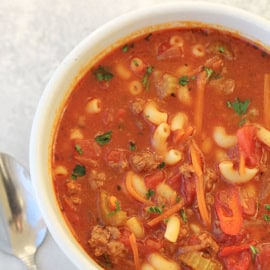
35,36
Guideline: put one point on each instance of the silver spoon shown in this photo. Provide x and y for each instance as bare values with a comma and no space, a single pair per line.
21,226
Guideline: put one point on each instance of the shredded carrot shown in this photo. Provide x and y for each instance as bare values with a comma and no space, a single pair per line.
242,165
199,102
197,165
134,247
266,99
181,135
166,213
113,201
133,192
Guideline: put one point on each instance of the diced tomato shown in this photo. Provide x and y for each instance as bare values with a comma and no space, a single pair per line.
175,181
153,244
231,250
263,257
229,211
246,137
248,198
86,150
117,159
239,261
166,51
188,189
152,180
124,238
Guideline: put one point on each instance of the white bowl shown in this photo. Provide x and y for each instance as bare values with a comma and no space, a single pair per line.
250,26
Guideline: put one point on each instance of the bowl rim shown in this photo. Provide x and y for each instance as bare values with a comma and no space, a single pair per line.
40,133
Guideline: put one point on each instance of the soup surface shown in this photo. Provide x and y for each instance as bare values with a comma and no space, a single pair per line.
161,155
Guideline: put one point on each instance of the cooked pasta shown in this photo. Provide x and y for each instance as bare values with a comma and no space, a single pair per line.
135,87
153,115
160,136
93,106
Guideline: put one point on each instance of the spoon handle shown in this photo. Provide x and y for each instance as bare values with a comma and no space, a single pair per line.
29,261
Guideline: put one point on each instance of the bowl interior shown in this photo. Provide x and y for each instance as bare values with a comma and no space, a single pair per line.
79,60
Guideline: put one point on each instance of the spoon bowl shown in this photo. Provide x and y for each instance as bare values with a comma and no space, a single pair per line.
21,226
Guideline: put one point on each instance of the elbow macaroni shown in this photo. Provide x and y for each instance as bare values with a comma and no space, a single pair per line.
135,87
153,114
173,156
160,136
93,106
179,121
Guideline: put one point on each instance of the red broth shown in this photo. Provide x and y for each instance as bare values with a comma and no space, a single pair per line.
161,156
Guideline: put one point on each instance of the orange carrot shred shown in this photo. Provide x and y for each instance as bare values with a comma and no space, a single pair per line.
199,102
134,247
266,99
113,201
200,191
176,207
242,165
133,192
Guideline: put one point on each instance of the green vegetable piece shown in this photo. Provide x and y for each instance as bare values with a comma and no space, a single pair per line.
150,193
78,171
267,206
104,138
78,149
132,146
117,209
103,74
240,107
161,165
184,80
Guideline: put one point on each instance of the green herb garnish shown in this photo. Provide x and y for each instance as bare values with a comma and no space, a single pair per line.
117,209
104,138
125,48
161,165
209,71
240,107
155,209
221,49
184,80
103,74
267,206
266,217
150,193
183,215
145,81
254,251
132,146
78,171
78,149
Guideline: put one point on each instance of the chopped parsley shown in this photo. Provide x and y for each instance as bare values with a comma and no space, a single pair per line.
117,209
267,206
132,146
254,251
103,74
147,38
183,215
135,62
145,81
240,107
126,47
221,49
161,165
78,149
104,138
266,217
150,193
184,80
155,209
209,71
78,171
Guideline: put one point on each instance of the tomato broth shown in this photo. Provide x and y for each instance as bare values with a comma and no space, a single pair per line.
160,158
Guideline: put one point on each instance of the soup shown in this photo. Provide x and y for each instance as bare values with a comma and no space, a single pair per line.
161,156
